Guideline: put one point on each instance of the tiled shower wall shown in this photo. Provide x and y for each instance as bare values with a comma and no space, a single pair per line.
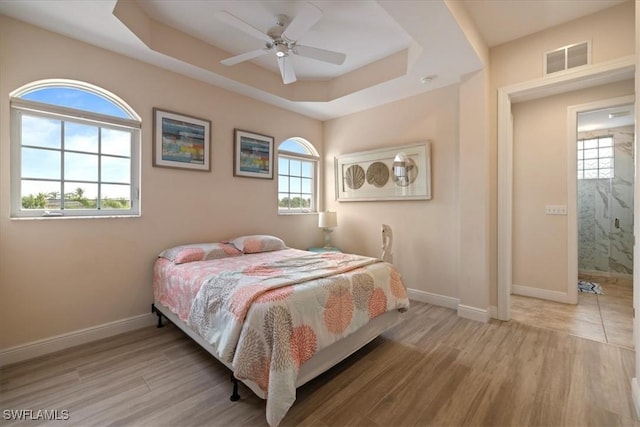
602,247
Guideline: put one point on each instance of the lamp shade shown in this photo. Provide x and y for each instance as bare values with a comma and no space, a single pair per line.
327,219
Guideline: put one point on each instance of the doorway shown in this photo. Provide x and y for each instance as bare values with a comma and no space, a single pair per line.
592,76
544,287
604,199
605,180
596,74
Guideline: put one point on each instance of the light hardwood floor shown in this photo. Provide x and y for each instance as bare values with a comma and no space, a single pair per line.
434,368
605,318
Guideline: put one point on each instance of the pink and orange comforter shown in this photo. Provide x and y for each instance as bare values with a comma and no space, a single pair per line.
268,313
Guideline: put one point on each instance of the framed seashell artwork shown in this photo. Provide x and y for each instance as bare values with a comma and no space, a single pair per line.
391,173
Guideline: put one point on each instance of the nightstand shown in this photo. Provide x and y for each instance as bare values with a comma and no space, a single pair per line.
320,250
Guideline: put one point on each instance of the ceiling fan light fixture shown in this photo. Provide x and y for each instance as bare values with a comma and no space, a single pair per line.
281,50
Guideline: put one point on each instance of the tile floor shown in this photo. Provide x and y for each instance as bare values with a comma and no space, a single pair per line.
606,318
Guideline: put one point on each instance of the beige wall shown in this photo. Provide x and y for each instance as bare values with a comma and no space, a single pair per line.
473,196
612,33
473,178
425,232
58,276
540,179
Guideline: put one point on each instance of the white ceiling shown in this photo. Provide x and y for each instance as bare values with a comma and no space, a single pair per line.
342,29
607,118
408,39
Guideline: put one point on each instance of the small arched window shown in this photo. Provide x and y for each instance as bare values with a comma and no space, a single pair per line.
75,151
297,176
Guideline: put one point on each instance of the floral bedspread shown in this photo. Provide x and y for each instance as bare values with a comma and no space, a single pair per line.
268,319
176,285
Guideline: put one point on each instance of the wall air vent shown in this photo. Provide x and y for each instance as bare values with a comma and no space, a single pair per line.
567,57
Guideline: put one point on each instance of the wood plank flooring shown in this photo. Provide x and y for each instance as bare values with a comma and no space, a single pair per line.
606,318
432,369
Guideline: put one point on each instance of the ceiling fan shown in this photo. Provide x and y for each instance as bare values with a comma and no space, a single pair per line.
283,40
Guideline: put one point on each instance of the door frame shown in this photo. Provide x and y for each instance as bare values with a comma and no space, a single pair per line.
587,76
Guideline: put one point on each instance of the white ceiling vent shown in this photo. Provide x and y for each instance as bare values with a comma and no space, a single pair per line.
567,57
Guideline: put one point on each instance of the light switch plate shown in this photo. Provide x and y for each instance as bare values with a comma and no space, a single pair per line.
556,209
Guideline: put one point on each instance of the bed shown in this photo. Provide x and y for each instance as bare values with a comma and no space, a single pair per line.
277,317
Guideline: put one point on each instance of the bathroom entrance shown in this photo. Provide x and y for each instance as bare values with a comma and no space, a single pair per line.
605,198
605,169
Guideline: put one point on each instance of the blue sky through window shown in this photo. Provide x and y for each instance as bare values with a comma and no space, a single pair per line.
93,155
42,154
77,99
294,146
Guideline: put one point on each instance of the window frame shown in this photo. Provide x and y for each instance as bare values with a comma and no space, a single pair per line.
19,106
314,159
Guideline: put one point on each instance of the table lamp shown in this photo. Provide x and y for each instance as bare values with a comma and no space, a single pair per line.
327,221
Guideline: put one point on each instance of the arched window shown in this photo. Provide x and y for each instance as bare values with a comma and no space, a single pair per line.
75,151
297,176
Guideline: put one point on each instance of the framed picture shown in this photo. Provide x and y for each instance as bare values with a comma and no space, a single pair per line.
394,173
252,155
181,141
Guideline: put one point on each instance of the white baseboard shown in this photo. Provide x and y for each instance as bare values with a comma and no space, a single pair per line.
473,313
493,312
434,299
71,339
465,311
635,394
527,291
606,274
83,336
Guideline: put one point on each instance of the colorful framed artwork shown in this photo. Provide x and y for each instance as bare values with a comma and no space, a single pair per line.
181,141
394,173
253,155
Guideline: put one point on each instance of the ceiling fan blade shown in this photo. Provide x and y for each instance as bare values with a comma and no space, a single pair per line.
320,54
234,21
306,19
244,56
286,69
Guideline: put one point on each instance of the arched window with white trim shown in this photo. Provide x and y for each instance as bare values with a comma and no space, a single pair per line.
75,151
297,176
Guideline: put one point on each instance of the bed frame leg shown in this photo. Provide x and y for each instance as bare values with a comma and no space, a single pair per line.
157,312
234,396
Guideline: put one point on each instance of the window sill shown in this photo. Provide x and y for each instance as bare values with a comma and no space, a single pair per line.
297,213
49,218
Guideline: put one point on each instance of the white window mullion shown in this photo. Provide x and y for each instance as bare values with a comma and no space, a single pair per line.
99,196
62,151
